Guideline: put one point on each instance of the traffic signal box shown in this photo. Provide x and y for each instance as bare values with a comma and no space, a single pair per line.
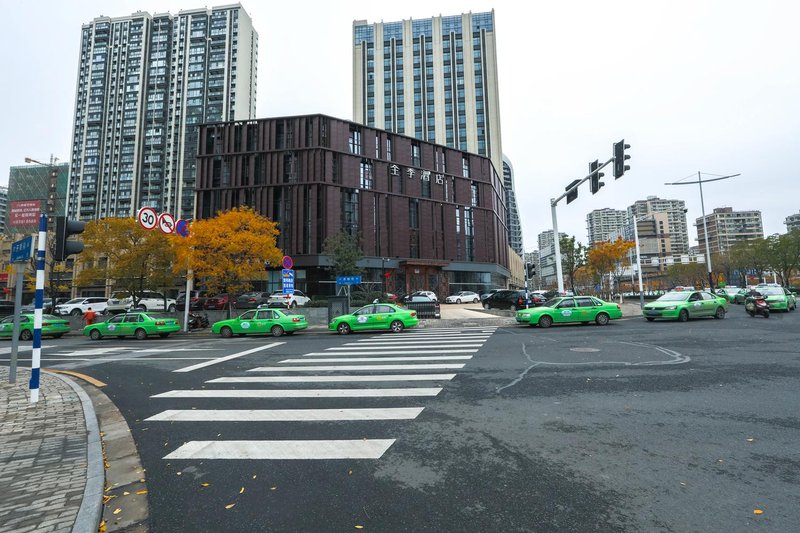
595,179
619,158
64,229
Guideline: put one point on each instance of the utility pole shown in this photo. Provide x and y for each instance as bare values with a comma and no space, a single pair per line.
700,182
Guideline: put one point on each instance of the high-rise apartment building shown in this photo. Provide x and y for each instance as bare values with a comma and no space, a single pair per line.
144,85
436,80
676,230
792,222
512,211
602,223
3,208
547,258
726,227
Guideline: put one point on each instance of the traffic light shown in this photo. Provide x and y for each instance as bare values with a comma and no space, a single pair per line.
530,270
619,158
65,247
572,194
595,181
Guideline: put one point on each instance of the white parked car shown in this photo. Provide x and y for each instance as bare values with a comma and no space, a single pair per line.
463,296
148,301
278,299
78,306
429,294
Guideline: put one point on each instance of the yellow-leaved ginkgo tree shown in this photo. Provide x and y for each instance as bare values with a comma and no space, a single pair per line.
228,251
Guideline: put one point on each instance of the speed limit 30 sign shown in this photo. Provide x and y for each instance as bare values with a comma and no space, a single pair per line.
147,218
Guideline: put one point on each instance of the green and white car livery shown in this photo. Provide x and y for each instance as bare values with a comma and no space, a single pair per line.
568,309
260,321
683,305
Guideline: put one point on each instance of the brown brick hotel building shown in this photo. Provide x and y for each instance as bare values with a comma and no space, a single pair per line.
432,217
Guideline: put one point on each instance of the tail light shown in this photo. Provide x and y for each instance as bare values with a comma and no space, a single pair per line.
161,323
413,313
618,307
296,319
46,324
251,300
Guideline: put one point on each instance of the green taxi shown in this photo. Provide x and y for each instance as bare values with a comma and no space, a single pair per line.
683,305
259,322
729,293
567,309
138,325
52,326
375,316
778,298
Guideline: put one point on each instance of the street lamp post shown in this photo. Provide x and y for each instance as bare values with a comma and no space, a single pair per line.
638,261
700,182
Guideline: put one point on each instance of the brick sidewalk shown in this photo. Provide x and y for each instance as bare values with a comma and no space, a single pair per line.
43,454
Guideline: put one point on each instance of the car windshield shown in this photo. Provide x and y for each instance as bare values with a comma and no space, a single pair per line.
674,297
771,291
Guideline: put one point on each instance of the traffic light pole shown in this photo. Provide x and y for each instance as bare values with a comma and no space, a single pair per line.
36,355
556,243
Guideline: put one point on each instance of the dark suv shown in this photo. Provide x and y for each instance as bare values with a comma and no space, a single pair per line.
505,299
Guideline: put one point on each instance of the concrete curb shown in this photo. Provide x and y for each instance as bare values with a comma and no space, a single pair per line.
88,518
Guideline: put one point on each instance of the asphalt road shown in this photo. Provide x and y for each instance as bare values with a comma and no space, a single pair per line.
634,426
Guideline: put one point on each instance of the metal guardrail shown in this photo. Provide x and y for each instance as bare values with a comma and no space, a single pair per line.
425,309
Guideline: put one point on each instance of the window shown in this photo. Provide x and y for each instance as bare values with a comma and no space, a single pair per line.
366,177
250,315
465,166
413,213
355,140
475,199
569,302
389,148
266,315
415,157
585,302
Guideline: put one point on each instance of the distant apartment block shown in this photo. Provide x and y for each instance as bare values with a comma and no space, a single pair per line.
676,226
602,223
547,258
792,222
145,83
3,208
726,227
512,211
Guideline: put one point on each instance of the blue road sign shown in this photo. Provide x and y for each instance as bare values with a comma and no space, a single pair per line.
348,280
182,228
22,250
287,276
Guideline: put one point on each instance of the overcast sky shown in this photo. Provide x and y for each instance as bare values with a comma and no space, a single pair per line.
709,86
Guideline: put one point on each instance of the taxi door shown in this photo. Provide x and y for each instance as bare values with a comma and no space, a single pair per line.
585,310
265,319
365,318
247,323
114,326
695,306
709,304
129,324
565,311
382,316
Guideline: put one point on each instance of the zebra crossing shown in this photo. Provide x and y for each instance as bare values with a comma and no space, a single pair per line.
386,358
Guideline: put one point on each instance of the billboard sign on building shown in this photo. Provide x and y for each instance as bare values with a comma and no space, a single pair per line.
24,213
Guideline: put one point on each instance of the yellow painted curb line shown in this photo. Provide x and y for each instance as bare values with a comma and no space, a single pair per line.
84,377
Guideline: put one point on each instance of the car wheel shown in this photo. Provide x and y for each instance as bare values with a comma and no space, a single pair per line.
766,314
140,334
120,336
292,305
649,318
720,313
277,331
226,332
76,312
163,335
683,316
458,301
343,328
172,309
602,319
397,326
25,335
95,335
486,306
545,321
142,307
58,335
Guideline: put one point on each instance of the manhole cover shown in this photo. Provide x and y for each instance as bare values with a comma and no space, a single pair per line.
584,349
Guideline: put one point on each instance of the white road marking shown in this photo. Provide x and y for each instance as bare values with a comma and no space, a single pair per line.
457,339
333,379
401,346
378,359
284,415
301,393
21,348
385,352
288,449
354,367
227,357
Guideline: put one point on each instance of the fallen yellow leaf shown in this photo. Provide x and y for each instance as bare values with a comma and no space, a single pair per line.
204,484
254,476
141,492
273,488
125,493
241,491
141,480
179,473
359,527
117,510
758,511
102,527
750,439
349,472
229,505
